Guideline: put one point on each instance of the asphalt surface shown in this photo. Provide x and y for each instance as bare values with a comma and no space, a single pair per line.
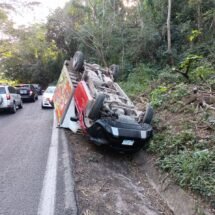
25,140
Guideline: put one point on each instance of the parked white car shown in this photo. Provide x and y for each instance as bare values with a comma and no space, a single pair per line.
47,98
10,99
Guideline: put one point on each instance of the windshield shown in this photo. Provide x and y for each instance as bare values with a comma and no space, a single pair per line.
2,90
36,86
23,86
50,90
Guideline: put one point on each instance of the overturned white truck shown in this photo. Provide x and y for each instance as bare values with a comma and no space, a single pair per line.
88,98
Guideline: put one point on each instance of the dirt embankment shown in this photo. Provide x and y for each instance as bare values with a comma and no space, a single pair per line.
111,183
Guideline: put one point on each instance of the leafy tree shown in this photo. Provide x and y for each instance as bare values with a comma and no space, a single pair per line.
111,32
33,59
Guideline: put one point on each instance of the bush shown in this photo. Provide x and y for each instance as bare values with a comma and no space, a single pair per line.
203,71
139,79
194,170
158,96
189,161
166,75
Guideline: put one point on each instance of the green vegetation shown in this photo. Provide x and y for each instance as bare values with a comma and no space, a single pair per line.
138,80
189,160
6,81
32,59
184,123
146,38
185,136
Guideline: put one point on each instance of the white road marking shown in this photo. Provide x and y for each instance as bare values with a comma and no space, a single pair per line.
47,198
70,201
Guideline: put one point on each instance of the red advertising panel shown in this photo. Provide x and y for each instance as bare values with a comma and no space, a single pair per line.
63,94
82,96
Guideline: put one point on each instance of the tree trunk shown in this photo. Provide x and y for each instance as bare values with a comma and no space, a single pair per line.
169,44
199,15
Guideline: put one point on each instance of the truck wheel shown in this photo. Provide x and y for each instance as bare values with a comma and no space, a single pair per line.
95,111
148,114
13,109
115,71
20,105
78,61
1,100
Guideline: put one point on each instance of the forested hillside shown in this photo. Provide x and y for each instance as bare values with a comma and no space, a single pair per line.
166,53
149,35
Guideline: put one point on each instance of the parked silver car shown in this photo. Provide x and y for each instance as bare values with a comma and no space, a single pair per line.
10,99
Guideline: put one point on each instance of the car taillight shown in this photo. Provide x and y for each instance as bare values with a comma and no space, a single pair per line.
30,92
8,96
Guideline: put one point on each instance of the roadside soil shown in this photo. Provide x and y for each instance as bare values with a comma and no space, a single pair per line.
107,182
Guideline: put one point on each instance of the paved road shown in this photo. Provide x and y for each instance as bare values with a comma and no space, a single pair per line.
34,164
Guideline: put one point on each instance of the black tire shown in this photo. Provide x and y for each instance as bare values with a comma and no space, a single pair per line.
21,105
78,61
13,109
115,71
1,100
95,111
148,114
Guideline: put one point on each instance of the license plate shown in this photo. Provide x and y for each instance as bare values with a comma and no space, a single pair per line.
128,142
23,91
